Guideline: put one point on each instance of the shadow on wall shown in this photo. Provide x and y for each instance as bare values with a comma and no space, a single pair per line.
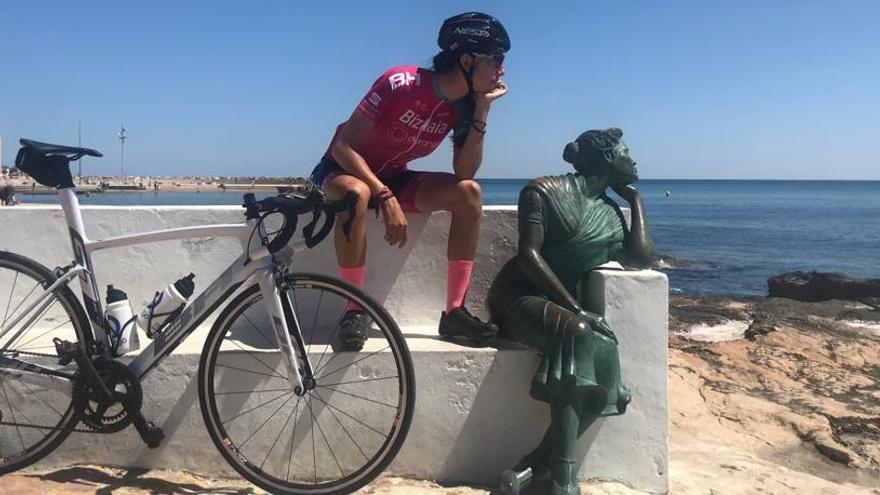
500,428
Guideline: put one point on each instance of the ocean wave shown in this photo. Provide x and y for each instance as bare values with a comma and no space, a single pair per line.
867,327
721,332
669,262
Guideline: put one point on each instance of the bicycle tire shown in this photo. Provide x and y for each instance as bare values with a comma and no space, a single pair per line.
11,410
234,320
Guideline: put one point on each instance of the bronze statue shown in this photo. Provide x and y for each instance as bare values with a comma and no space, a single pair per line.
567,227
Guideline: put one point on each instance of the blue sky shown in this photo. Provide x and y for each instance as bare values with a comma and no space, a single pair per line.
721,89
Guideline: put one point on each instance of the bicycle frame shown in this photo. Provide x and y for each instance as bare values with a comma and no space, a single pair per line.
256,262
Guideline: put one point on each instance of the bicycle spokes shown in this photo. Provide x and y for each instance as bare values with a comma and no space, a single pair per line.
341,427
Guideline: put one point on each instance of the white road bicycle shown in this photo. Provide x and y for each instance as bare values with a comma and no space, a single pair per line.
286,411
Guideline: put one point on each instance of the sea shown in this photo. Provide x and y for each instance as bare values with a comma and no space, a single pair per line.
720,238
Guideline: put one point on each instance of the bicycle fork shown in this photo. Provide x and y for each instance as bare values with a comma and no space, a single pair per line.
299,368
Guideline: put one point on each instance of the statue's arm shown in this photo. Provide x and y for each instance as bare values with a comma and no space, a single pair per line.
535,267
529,259
639,250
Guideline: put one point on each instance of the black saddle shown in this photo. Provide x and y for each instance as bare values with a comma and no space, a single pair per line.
46,149
48,163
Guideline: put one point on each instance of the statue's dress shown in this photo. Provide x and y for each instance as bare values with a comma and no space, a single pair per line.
580,233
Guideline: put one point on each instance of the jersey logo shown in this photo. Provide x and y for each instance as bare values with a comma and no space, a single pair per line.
413,120
401,79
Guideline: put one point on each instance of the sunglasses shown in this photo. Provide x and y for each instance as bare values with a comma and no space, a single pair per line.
494,60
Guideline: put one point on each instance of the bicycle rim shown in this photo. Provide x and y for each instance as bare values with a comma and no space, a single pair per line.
335,438
35,415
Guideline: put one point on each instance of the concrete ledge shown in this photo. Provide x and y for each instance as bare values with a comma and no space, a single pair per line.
473,414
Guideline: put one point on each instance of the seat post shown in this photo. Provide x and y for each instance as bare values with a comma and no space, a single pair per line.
72,213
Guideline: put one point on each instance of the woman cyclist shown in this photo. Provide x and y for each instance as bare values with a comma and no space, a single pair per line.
405,115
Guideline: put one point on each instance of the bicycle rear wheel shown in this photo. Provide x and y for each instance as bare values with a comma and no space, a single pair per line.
336,437
36,411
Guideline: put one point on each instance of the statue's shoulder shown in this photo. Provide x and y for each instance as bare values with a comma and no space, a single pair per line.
549,185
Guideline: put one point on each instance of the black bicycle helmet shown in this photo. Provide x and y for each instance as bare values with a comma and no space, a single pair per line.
473,32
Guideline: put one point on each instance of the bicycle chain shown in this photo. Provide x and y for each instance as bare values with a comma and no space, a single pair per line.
23,425
90,410
28,353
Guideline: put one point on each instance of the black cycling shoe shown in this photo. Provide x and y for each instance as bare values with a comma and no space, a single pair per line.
352,331
460,323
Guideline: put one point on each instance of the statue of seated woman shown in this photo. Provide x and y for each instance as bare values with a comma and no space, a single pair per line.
568,226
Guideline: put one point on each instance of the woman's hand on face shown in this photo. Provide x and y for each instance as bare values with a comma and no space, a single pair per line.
395,222
627,192
489,96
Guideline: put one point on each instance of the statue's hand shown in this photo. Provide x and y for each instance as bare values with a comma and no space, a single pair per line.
605,330
627,192
600,326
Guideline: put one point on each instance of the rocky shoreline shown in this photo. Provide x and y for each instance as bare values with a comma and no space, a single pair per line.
799,386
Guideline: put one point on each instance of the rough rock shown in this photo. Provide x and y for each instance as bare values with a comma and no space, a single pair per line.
802,391
821,286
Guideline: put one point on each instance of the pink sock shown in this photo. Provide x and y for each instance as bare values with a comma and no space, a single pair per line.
458,277
355,276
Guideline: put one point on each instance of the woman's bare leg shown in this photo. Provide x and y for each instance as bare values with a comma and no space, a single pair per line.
353,252
464,200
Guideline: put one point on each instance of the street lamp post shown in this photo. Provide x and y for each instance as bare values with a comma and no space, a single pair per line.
79,143
122,137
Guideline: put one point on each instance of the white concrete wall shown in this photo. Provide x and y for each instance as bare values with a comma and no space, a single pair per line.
473,414
411,282
635,304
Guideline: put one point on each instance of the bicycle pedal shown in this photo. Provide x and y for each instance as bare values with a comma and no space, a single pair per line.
150,433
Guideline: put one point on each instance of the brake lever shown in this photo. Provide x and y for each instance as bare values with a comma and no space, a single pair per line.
309,230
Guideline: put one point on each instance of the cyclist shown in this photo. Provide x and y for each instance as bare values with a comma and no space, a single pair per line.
405,115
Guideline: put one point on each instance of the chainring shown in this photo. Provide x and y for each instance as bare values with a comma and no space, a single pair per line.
120,410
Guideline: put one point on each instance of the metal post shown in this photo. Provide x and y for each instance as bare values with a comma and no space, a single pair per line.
122,136
79,143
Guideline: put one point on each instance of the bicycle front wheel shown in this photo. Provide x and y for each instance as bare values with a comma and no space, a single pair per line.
337,436
36,410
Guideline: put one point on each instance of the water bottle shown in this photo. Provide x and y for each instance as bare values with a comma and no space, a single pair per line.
166,305
120,321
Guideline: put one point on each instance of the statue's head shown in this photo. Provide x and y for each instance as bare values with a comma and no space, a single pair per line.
602,153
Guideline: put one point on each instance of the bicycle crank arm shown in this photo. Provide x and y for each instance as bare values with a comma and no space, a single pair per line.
151,434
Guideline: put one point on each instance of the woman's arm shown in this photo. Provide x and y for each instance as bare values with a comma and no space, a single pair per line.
345,153
639,248
467,158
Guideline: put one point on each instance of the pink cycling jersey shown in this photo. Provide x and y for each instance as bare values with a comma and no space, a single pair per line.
410,119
